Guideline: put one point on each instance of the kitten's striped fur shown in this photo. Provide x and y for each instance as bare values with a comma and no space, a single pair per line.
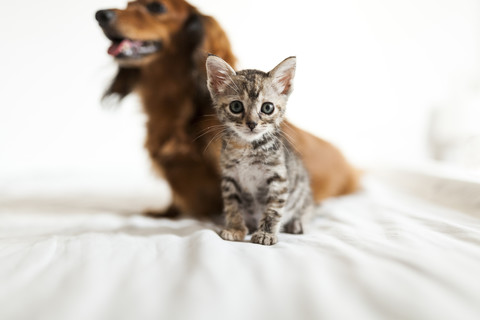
265,186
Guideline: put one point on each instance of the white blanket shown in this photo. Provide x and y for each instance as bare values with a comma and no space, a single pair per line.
72,249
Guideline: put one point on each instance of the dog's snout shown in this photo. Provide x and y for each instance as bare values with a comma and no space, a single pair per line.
251,125
104,17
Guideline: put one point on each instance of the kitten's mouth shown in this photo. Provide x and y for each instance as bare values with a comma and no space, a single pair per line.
252,135
123,48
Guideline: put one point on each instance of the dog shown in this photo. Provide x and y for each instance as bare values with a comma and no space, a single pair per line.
161,48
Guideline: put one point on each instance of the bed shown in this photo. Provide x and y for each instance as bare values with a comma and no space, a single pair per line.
75,247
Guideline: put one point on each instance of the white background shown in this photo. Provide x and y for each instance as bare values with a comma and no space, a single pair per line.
369,74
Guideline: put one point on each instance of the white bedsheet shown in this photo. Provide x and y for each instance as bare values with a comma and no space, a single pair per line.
70,249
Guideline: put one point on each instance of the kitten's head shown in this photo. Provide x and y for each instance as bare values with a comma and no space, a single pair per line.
251,103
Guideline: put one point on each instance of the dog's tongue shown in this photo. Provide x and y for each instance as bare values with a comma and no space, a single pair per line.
125,46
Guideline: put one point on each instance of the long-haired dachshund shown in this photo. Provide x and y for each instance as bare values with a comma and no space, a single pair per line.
161,47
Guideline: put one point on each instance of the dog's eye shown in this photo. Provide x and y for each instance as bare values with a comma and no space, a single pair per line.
156,7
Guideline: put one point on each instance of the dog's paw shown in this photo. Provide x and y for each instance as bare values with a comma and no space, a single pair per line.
169,213
264,238
233,234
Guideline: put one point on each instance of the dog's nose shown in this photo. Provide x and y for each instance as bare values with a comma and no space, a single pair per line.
251,125
104,17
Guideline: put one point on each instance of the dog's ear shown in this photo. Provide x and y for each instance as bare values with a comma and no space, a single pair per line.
193,31
123,83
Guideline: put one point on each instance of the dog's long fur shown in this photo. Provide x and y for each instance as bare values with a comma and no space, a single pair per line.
181,126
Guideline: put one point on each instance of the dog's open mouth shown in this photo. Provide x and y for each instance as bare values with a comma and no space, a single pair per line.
126,48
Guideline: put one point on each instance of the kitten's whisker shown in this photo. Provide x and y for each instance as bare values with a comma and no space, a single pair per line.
288,138
211,130
285,147
206,132
215,137
290,141
213,118
210,127
275,135
293,131
288,135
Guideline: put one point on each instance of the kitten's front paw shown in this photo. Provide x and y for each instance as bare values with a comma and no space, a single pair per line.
294,226
267,239
233,234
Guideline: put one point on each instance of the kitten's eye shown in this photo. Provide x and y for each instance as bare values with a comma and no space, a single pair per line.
267,108
156,7
236,106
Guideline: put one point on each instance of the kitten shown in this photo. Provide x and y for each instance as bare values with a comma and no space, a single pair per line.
265,186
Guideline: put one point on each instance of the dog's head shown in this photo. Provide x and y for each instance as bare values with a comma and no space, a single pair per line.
145,28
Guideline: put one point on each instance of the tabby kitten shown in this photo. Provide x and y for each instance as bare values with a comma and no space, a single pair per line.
264,184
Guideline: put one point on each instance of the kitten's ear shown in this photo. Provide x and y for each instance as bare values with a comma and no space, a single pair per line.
283,74
219,74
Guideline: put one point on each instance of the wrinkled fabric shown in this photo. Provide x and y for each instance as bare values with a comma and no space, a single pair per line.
73,253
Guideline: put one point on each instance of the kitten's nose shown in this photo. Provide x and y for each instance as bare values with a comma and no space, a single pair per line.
251,125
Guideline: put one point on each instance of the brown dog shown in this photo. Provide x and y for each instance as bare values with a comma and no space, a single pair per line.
161,48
